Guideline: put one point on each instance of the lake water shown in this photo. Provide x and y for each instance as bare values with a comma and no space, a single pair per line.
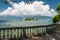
20,23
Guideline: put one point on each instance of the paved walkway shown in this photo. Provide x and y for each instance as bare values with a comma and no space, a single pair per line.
48,36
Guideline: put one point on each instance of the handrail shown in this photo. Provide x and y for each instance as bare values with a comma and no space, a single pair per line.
29,26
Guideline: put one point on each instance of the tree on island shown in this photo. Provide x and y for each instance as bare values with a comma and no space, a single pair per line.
29,19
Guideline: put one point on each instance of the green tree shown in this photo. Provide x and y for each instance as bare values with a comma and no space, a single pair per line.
56,18
58,8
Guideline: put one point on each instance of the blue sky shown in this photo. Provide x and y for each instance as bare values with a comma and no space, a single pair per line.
6,8
52,3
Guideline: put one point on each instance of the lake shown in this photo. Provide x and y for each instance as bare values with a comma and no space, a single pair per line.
20,23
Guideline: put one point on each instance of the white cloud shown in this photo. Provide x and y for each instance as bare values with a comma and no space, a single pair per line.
35,8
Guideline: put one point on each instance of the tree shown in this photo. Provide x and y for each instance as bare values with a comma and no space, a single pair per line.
58,8
56,18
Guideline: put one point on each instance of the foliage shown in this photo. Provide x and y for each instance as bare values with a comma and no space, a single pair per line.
56,18
30,19
58,8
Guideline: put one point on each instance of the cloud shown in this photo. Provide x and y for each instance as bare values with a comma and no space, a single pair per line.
35,8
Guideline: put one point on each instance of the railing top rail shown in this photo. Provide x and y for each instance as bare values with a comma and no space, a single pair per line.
29,27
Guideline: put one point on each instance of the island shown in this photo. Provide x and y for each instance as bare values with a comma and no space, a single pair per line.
29,19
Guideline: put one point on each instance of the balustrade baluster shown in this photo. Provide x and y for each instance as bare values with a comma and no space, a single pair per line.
12,33
8,33
30,30
1,35
16,33
19,32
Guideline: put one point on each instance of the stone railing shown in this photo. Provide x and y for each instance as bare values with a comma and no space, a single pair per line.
17,32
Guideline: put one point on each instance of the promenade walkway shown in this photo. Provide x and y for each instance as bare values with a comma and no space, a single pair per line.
47,36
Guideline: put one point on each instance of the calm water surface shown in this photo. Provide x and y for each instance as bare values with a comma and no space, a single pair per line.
20,23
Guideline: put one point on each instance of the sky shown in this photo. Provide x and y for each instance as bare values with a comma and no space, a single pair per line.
38,7
52,3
